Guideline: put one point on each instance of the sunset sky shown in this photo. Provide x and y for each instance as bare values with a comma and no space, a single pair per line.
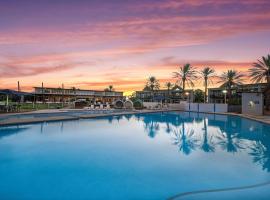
91,44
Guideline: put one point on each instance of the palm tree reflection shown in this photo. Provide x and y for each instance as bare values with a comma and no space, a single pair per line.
261,154
151,127
222,134
168,128
207,144
229,142
184,139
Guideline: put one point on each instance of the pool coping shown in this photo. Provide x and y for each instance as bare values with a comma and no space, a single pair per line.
21,121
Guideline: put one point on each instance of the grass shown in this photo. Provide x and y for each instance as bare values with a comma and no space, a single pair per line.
25,107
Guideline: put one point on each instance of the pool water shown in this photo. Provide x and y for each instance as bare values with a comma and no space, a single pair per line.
144,156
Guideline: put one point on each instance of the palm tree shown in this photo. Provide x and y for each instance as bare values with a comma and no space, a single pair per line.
207,74
74,92
110,88
229,79
168,85
261,70
146,88
152,83
186,75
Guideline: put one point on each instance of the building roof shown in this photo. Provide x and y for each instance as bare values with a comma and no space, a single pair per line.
15,93
55,88
241,86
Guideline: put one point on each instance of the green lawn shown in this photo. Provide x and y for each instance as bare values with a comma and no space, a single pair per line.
24,107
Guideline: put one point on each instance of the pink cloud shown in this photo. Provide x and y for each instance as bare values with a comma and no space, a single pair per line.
10,70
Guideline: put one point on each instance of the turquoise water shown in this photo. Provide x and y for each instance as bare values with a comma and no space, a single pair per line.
145,156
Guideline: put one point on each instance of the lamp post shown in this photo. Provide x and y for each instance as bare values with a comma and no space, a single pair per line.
225,95
7,103
187,94
63,90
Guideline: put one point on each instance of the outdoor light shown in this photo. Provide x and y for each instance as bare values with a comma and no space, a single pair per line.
187,94
251,104
224,92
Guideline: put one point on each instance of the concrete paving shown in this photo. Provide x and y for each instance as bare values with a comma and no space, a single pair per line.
14,119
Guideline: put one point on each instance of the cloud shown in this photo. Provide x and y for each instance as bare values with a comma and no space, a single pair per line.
176,4
146,32
172,62
130,39
11,70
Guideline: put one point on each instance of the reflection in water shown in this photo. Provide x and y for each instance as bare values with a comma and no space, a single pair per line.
209,133
230,142
7,131
261,153
207,144
151,127
168,128
192,132
185,139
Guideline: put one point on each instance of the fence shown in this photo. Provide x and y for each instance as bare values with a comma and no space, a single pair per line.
206,107
195,107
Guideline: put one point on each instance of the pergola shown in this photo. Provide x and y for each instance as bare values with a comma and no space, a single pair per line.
10,93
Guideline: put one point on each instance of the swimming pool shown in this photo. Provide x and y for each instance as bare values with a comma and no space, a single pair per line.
142,156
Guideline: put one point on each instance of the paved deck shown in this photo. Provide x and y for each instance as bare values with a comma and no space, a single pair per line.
67,115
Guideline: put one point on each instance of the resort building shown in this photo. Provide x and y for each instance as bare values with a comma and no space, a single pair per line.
174,95
218,95
68,95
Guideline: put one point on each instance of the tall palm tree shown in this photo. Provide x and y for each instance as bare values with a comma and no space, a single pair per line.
229,79
261,70
153,83
186,75
207,74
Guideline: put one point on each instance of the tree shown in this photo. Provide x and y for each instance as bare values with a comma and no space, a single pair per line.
109,89
146,88
168,85
186,75
261,73
261,70
199,96
229,79
74,92
207,74
152,83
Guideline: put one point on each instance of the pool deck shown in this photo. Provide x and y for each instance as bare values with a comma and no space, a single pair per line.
16,121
